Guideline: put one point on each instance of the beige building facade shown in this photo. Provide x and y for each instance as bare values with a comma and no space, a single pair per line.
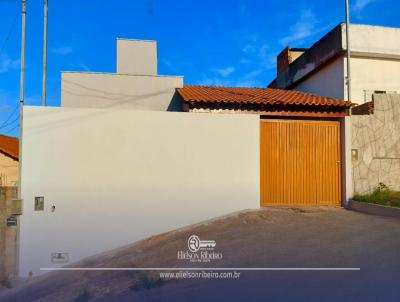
8,171
321,69
8,161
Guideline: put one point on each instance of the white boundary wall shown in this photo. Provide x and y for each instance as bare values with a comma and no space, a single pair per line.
116,177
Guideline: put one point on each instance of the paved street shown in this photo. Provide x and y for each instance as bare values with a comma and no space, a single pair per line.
264,238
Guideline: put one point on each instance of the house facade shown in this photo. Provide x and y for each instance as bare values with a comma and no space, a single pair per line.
321,69
131,154
8,161
302,140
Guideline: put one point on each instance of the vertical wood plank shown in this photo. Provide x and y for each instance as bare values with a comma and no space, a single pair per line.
300,162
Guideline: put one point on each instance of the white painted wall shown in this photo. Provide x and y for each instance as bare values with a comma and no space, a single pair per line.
369,74
122,91
328,81
137,57
119,176
373,40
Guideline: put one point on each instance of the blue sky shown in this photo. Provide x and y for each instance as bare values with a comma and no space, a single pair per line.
215,42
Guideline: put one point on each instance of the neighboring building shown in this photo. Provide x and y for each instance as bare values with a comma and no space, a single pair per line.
321,69
135,85
8,160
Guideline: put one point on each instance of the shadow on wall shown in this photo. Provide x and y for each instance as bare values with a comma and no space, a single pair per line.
376,145
176,103
116,99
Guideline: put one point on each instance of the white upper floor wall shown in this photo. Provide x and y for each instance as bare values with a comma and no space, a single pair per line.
373,41
371,75
375,60
119,91
135,85
138,57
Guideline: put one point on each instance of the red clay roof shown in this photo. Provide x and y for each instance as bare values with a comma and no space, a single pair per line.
261,96
9,145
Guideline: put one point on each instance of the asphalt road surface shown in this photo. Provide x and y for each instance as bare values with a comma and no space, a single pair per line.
290,238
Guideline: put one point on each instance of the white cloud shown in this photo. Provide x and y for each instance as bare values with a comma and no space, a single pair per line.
79,66
84,67
65,50
224,72
241,82
267,58
7,64
303,28
307,26
252,74
248,79
359,5
259,54
257,58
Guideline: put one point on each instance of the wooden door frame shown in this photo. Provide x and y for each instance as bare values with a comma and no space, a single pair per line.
341,121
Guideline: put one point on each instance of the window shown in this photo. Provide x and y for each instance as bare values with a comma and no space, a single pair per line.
39,203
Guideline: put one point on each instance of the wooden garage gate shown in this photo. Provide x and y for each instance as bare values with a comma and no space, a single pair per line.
300,162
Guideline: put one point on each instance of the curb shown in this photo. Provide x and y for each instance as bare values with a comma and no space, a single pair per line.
374,209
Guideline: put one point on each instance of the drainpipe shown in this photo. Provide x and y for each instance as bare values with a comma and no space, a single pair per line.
21,94
348,82
348,78
21,108
44,54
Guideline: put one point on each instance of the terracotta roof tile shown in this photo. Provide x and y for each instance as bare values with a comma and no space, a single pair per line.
262,96
9,145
